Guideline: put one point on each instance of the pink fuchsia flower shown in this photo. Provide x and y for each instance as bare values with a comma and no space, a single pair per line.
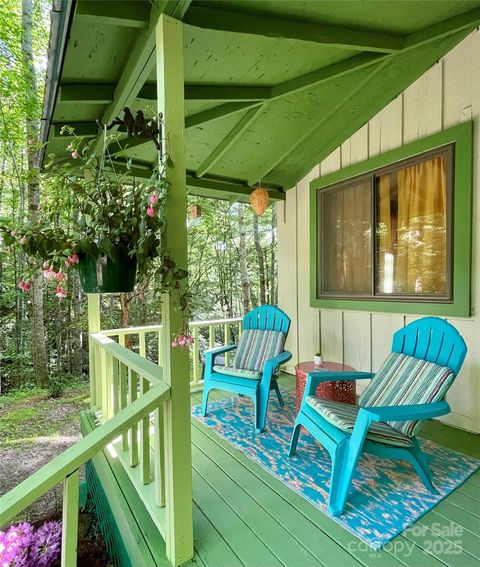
74,258
24,286
174,344
154,198
60,276
60,292
75,154
23,240
67,263
13,233
190,340
70,147
150,211
182,341
49,274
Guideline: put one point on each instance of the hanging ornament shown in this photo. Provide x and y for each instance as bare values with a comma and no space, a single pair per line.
259,200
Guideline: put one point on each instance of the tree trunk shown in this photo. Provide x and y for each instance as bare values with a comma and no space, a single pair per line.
31,122
125,301
273,259
242,257
261,260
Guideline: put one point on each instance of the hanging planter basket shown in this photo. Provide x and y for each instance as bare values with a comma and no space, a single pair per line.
103,275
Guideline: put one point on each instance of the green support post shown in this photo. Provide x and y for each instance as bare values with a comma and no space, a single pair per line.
93,327
70,520
178,463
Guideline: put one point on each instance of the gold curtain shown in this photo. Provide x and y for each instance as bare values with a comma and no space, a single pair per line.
347,233
420,263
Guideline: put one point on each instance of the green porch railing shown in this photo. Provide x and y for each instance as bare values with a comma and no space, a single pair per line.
65,467
206,334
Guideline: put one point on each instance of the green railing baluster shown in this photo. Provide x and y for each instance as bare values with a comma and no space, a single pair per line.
161,356
211,336
159,455
98,374
145,440
132,391
141,344
70,520
121,339
109,384
124,401
116,385
104,383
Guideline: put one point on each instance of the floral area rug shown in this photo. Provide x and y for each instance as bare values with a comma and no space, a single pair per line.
386,497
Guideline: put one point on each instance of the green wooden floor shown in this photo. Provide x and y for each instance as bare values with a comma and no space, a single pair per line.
245,517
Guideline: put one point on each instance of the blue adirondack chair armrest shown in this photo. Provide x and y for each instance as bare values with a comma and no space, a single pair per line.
318,376
273,363
406,413
210,354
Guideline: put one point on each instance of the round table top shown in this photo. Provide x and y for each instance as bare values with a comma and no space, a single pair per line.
307,367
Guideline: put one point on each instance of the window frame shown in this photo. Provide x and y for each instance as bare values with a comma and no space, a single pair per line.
458,142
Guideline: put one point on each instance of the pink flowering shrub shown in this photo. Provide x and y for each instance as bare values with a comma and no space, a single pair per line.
23,546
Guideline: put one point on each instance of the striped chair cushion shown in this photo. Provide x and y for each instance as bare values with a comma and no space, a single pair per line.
238,372
405,380
256,347
344,416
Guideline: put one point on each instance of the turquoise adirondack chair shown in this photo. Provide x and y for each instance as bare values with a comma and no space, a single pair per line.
410,386
259,354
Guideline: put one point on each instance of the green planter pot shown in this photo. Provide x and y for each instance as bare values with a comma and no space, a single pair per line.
103,275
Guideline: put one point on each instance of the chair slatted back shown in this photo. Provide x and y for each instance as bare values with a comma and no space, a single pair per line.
267,318
432,339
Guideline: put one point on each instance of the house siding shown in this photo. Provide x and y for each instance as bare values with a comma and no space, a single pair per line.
446,95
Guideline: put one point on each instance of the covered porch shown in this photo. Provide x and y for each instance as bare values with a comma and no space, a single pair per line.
251,94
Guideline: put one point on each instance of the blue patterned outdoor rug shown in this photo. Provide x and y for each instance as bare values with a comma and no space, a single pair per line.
387,495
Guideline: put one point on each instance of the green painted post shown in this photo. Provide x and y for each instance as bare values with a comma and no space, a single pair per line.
145,439
123,401
70,520
93,327
178,462
159,455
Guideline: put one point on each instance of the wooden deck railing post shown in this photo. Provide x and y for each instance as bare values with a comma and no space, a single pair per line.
93,327
178,463
70,520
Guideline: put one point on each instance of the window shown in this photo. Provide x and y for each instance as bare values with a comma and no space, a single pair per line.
394,233
387,234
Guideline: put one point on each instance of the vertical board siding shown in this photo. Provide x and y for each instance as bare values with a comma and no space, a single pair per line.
447,94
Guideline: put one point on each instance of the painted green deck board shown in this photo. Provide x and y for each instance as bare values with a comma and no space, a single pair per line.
279,541
289,519
210,547
323,537
241,539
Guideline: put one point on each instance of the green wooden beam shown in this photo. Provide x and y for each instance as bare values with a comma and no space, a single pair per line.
116,13
323,117
271,26
79,93
85,129
213,92
229,140
119,146
287,88
218,112
140,62
177,440
222,189
226,93
467,21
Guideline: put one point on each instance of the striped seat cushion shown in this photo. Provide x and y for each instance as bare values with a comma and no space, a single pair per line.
238,372
256,347
344,416
405,380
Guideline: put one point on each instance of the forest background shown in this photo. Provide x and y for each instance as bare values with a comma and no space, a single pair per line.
43,340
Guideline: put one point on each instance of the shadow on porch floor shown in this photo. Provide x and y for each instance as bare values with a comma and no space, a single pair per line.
245,517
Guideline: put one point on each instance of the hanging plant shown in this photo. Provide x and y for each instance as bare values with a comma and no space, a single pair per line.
117,228
259,200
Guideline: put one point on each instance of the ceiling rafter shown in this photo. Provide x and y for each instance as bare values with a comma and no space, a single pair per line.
271,26
210,187
140,63
228,141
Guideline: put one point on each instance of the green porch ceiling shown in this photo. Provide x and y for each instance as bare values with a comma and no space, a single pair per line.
271,87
